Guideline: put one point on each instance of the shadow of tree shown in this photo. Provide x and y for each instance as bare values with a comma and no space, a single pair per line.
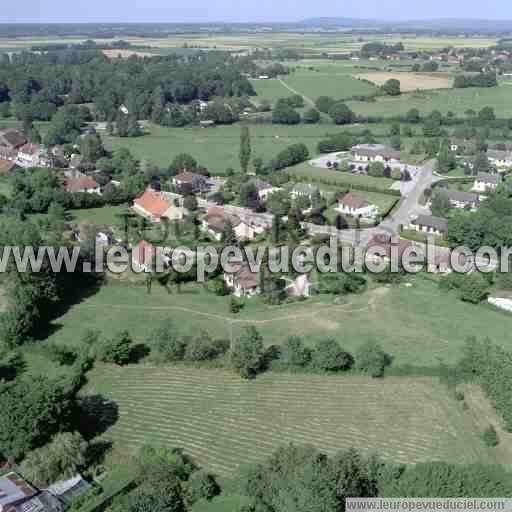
95,414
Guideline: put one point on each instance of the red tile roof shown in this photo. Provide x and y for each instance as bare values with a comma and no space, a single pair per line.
352,201
81,184
152,203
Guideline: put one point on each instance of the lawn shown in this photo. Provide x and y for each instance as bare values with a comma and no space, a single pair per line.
108,215
410,81
223,421
217,148
331,177
271,90
454,100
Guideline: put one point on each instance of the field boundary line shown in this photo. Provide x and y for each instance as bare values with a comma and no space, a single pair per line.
307,99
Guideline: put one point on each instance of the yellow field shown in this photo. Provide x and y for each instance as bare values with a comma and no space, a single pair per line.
410,81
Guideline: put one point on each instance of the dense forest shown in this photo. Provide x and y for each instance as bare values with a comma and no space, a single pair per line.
156,88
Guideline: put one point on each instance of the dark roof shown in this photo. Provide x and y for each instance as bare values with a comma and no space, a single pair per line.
189,177
384,241
245,277
80,184
372,150
499,155
493,179
438,223
12,138
462,197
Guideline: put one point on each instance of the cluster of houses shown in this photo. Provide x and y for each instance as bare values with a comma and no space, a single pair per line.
16,150
17,495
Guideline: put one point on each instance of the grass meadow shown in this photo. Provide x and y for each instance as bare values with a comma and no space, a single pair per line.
418,325
454,100
224,422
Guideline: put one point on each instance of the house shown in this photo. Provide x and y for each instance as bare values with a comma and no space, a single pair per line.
32,155
216,219
143,255
17,495
244,282
486,182
175,213
374,153
207,123
10,143
384,242
151,205
304,190
430,224
187,182
499,158
351,204
263,188
83,184
460,199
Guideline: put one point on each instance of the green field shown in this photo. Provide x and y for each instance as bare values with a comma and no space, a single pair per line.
224,421
339,85
315,174
455,100
217,148
419,325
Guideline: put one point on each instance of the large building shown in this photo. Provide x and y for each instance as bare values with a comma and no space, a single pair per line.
374,153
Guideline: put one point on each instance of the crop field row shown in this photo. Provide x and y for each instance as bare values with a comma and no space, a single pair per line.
224,422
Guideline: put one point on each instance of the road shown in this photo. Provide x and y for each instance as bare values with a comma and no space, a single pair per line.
308,100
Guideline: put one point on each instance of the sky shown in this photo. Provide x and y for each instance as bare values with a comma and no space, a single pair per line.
177,11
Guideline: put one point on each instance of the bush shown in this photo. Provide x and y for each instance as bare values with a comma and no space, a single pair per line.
247,354
165,341
117,350
204,348
473,288
201,486
330,357
295,353
371,359
490,437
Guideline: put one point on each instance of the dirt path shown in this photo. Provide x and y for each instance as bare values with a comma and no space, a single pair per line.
297,316
294,91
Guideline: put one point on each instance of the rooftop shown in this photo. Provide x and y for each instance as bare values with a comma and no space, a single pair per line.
438,223
352,201
152,203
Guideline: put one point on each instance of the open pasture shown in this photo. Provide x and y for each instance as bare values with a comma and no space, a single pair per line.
410,81
418,325
457,101
224,421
